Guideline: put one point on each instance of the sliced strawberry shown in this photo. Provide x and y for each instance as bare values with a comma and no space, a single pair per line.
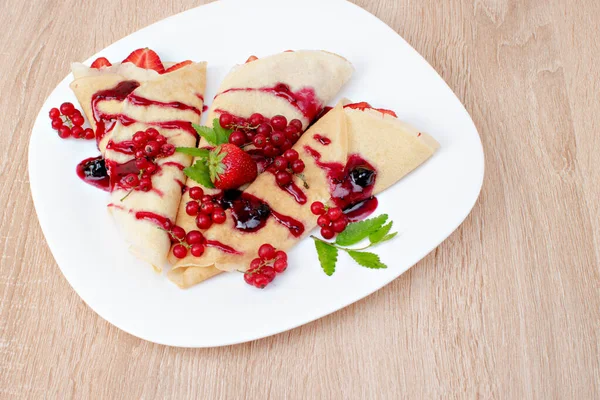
146,58
231,167
289,51
101,62
177,66
363,105
251,58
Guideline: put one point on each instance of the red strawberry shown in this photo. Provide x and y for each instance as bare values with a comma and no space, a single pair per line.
231,167
101,62
146,58
251,58
364,105
177,66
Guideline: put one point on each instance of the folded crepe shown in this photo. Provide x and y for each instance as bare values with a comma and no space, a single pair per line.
343,140
171,103
101,92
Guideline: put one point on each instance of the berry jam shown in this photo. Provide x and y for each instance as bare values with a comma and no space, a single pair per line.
220,246
159,220
124,147
304,100
362,210
322,139
250,213
292,189
117,171
350,184
93,171
106,122
141,101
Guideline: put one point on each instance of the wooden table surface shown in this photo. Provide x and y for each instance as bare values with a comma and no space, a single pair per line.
507,307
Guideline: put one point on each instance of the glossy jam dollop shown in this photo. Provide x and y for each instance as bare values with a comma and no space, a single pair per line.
93,171
250,213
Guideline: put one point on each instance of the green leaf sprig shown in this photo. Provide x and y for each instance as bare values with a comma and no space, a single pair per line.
375,229
205,169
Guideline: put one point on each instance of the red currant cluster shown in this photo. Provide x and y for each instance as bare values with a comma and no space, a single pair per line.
273,136
287,164
331,219
73,119
204,208
263,269
148,145
193,242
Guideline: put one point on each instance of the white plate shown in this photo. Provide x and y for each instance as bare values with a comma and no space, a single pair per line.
426,206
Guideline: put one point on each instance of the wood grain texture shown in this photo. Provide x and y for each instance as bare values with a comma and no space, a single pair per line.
507,307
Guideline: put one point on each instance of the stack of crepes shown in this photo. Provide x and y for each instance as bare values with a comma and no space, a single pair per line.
122,99
390,146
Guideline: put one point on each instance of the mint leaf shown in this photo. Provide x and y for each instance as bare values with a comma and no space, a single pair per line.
380,233
199,172
388,237
221,134
366,259
357,231
207,133
327,256
192,151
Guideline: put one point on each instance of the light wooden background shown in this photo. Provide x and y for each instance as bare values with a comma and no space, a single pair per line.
507,307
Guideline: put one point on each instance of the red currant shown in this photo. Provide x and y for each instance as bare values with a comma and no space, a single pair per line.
191,208
323,221
259,141
89,134
64,132
140,154
197,250
279,122
178,232
219,216
269,272
283,178
67,108
194,237
327,233
207,207
151,168
167,149
57,123
254,265
266,252
334,213
256,119
290,131
206,199
225,120
77,120
77,132
203,221
280,255
130,181
291,155
54,113
317,208
270,150
264,129
260,281
280,163
152,133
237,138
152,148
196,192
297,123
145,184
249,278
339,225
280,265
142,163
298,166
179,251
161,139
277,138
286,145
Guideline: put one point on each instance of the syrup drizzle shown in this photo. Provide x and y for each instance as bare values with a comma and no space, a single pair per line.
106,122
223,247
304,100
322,139
141,101
156,219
